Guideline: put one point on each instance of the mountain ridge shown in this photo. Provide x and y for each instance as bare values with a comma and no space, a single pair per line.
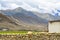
28,20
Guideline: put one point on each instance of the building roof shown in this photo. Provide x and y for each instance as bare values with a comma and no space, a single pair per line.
54,21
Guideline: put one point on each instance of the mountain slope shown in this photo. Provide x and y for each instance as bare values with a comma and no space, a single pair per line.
5,22
22,19
47,16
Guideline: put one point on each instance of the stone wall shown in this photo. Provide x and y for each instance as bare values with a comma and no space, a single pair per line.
31,37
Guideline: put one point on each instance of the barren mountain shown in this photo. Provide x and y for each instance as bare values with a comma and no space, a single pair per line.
21,19
18,24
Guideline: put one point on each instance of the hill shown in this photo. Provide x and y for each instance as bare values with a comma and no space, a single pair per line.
21,19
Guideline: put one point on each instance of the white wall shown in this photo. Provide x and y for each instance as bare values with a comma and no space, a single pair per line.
54,27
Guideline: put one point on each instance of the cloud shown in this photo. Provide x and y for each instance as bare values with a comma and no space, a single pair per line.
46,5
12,5
37,5
0,6
9,6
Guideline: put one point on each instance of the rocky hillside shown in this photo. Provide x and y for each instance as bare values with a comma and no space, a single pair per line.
21,19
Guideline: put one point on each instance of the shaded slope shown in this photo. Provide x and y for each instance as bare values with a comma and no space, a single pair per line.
26,20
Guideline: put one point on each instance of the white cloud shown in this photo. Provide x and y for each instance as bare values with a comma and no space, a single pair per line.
0,6
46,5
12,6
28,7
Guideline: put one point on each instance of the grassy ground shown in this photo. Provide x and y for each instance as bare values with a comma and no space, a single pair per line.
18,32
22,32
13,32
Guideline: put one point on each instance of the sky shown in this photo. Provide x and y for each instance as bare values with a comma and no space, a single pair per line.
45,6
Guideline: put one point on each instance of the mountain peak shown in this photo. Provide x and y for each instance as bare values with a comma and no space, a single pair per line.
19,9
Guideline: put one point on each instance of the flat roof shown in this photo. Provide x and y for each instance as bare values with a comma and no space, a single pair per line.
54,21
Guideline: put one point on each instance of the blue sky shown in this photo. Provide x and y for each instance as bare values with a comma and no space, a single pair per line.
34,5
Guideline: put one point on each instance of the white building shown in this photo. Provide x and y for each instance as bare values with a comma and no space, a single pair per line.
54,26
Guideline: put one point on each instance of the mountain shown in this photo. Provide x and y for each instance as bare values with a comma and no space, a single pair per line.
22,19
6,22
47,16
